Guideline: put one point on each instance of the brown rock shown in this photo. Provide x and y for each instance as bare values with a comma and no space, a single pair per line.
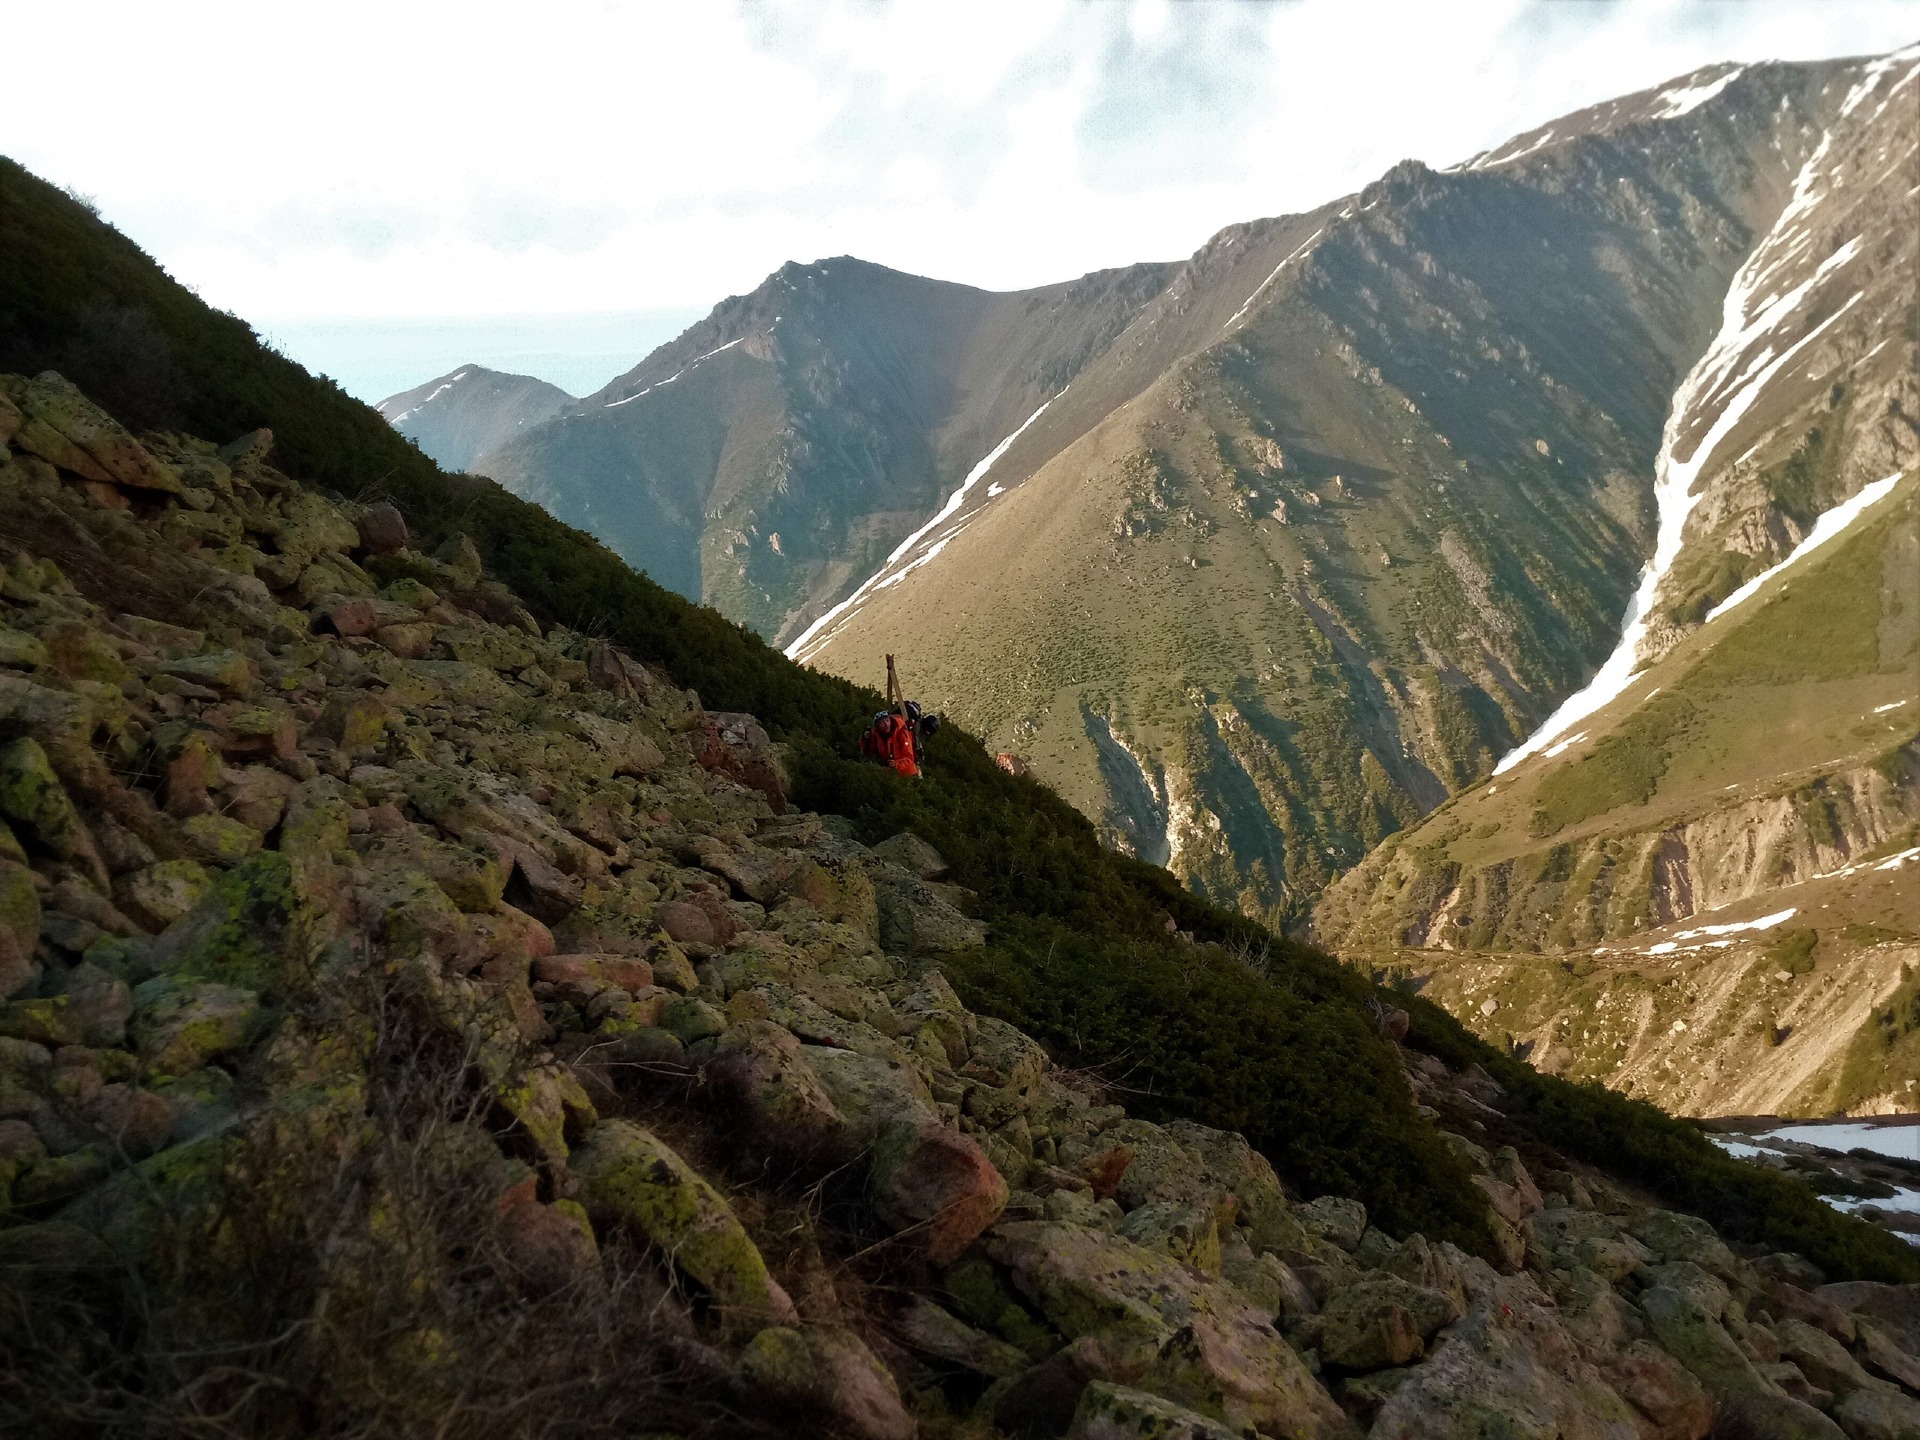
133,1121
409,641
734,744
548,1246
383,529
358,616
687,923
1671,1403
1104,1169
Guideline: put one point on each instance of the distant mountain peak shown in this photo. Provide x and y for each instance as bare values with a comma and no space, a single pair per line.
458,417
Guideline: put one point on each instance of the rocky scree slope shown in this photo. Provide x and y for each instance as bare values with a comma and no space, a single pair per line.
460,416
1383,509
1712,838
415,1014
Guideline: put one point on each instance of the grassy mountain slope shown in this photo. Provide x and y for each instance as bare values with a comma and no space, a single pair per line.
777,451
1765,767
1287,1047
460,416
1769,763
1379,516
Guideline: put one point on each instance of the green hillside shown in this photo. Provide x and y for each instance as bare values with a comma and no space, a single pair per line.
1234,1027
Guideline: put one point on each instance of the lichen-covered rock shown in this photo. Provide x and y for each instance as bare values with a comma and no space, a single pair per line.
1202,1346
827,1374
631,1178
180,1023
32,795
19,926
1335,1219
1116,1412
163,892
1376,1323
914,855
64,428
760,1067
928,1328
1505,1370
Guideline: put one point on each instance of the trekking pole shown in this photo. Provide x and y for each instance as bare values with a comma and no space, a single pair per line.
893,686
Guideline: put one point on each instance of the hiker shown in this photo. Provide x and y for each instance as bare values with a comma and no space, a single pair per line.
898,734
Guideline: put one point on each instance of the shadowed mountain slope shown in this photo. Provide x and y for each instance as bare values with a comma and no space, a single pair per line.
778,451
460,416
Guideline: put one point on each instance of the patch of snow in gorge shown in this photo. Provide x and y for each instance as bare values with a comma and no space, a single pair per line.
803,646
1750,314
1830,524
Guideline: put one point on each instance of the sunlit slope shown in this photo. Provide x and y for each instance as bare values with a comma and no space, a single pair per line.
1722,856
1383,514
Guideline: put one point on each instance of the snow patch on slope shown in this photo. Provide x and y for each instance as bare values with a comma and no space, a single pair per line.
1830,524
1683,99
628,400
817,634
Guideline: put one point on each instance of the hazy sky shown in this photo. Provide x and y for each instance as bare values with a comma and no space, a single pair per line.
347,160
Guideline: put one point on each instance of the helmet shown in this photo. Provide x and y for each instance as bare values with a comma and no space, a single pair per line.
929,723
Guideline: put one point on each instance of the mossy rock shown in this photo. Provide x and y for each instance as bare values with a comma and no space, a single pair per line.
630,1178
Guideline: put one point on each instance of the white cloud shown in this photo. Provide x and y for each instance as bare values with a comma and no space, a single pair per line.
355,158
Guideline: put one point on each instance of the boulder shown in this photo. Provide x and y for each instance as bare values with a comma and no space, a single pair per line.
1878,1414
1821,1358
1505,1369
758,1067
1116,1412
19,926
924,1179
1882,1352
735,745
383,529
1376,1323
32,795
928,1328
181,1023
914,855
1187,1336
1673,1236
631,1178
827,1375
64,428
1335,1219
548,1247
1672,1404
1188,1233
915,920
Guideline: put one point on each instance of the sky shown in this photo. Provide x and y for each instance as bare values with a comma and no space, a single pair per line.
377,185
